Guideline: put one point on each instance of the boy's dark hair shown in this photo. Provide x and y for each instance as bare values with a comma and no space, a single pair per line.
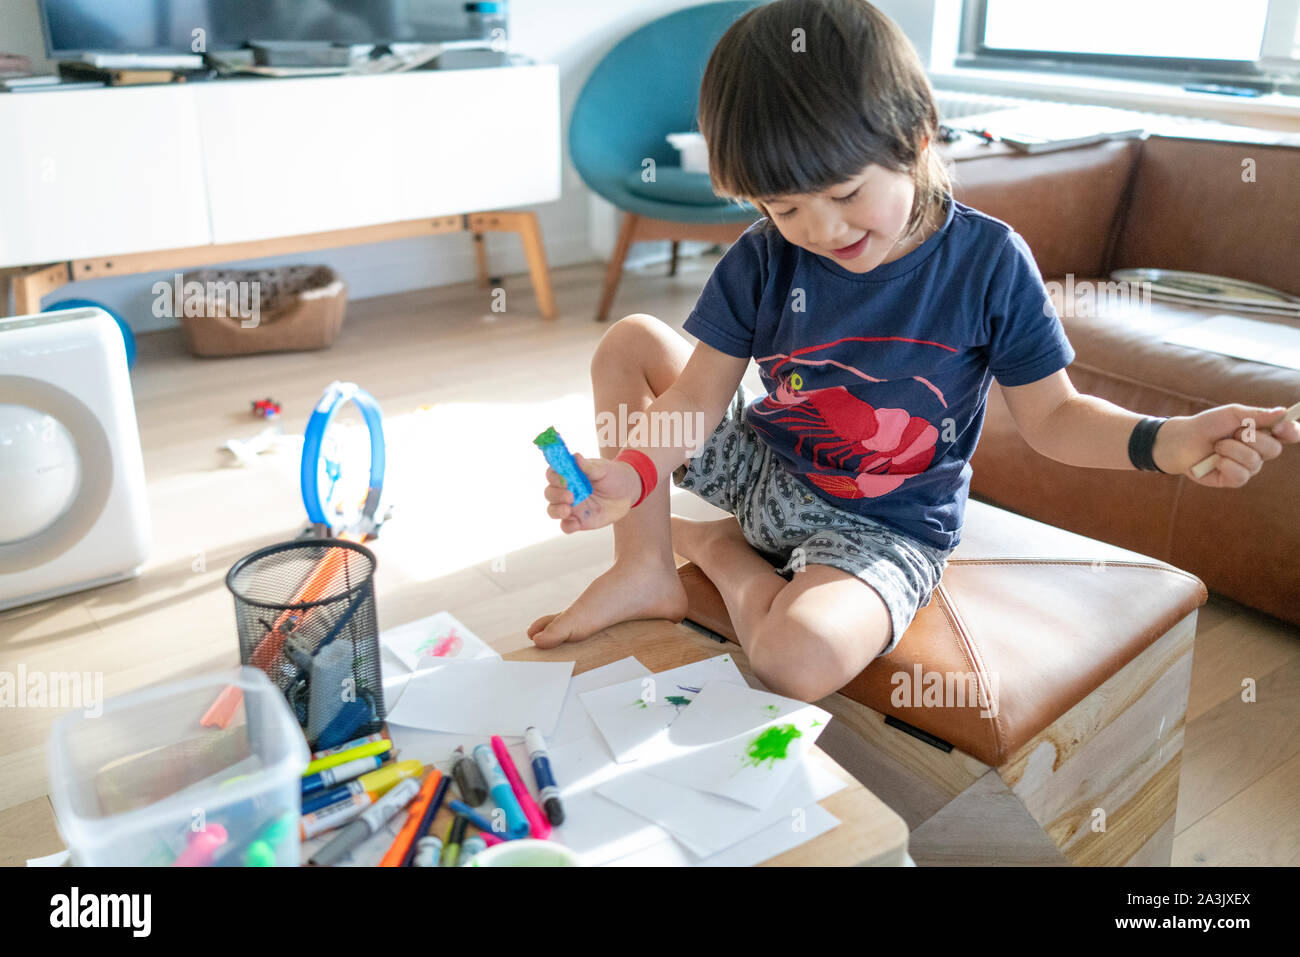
784,111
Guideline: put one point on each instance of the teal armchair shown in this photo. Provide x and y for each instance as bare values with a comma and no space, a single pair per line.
645,88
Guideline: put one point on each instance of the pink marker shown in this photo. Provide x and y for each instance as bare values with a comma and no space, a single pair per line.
201,847
537,822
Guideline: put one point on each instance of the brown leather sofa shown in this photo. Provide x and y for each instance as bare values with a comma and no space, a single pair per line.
1175,204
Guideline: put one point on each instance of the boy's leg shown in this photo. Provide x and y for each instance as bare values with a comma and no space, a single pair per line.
805,638
636,361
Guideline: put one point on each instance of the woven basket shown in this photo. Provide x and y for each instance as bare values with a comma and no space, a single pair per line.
298,308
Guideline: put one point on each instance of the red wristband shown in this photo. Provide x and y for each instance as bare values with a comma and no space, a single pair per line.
644,468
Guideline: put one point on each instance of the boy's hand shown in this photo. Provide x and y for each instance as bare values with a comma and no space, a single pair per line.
614,487
1239,434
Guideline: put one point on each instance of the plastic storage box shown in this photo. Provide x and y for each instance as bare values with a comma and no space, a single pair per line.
145,784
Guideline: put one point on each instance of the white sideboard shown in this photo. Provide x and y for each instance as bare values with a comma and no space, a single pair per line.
93,173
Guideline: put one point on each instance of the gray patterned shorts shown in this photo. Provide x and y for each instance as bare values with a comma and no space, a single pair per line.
791,527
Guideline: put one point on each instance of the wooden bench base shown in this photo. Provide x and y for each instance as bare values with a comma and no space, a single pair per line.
1099,786
31,283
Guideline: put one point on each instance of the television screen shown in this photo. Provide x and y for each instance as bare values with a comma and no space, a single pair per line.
174,26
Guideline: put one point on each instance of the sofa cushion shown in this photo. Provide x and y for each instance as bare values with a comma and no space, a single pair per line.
1230,209
1231,538
1038,617
674,185
1065,204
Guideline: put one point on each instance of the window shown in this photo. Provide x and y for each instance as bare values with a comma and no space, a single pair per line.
1183,40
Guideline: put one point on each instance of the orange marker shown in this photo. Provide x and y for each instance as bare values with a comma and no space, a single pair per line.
414,819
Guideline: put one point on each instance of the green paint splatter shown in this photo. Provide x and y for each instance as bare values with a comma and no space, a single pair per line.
639,703
771,746
677,700
773,708
815,724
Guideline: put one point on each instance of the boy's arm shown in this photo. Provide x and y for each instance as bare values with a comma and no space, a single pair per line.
1088,431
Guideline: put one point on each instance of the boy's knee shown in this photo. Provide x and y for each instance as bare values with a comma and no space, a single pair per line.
628,337
791,661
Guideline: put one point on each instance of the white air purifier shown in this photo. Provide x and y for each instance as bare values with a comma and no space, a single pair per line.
73,512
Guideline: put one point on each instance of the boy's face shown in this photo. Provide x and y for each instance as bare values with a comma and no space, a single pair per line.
858,224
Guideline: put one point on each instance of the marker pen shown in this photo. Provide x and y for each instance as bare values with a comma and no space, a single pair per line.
546,786
343,757
334,815
499,788
469,779
537,823
473,847
455,834
370,820
376,782
348,746
323,780
475,818
428,850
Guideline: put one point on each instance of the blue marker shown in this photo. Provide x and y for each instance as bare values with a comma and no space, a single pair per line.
475,818
547,789
559,458
323,780
319,799
501,792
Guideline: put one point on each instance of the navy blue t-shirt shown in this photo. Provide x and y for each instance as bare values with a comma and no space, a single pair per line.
877,382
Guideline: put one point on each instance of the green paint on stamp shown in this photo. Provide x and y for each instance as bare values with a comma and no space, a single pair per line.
772,745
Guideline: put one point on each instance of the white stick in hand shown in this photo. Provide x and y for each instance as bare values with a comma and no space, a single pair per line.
1208,463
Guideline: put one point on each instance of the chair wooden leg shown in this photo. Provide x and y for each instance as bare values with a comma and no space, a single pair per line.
530,232
672,263
614,271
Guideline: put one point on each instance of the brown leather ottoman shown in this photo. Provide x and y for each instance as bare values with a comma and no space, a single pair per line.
1033,712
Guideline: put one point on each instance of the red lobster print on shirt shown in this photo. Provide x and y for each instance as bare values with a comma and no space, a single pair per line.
835,430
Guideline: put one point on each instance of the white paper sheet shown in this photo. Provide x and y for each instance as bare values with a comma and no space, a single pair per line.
776,838
487,696
432,641
1273,343
738,742
634,716
707,824
574,723
595,828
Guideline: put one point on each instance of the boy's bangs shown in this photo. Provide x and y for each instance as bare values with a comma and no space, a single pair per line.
764,151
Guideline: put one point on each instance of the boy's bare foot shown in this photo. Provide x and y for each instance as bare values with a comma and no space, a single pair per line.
632,589
693,539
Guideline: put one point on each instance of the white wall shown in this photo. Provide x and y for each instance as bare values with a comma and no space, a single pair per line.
574,34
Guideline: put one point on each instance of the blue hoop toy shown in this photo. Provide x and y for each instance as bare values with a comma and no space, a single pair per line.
336,394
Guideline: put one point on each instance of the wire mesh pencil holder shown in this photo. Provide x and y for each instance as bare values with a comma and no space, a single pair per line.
305,611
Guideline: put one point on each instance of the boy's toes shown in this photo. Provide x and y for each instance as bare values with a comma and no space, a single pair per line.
552,633
540,624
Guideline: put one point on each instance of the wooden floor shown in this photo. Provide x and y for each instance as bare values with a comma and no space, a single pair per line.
470,535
